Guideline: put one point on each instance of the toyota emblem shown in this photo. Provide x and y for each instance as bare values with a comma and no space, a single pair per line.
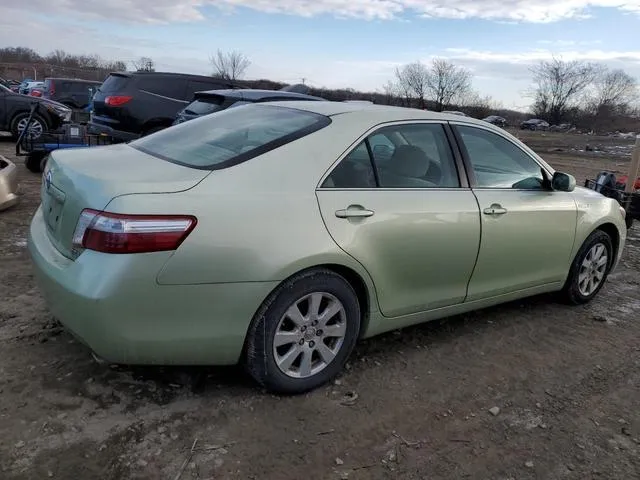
47,179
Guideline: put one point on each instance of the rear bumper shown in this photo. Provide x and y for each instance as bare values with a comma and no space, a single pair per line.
118,135
114,305
8,184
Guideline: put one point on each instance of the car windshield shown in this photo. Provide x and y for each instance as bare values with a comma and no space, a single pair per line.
231,136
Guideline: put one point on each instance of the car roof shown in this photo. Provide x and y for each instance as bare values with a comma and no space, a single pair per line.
172,75
67,79
254,93
376,113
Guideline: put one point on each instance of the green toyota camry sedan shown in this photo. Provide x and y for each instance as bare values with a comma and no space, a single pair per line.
276,235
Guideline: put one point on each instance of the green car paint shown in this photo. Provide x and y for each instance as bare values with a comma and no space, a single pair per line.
425,254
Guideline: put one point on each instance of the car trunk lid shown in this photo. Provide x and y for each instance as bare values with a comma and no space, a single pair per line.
74,180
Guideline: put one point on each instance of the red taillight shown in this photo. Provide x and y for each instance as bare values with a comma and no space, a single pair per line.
36,93
117,100
52,88
117,233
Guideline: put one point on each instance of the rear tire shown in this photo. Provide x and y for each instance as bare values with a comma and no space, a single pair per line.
589,270
304,332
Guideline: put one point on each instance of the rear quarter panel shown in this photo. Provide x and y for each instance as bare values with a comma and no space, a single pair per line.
258,221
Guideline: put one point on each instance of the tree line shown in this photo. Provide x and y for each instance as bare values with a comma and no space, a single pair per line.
585,94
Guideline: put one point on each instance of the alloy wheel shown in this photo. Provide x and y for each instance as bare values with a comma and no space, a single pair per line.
310,335
36,129
593,269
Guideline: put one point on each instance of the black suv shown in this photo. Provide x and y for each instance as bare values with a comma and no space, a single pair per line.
132,104
15,109
212,101
72,92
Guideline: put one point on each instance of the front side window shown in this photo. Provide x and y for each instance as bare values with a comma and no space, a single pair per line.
498,162
231,136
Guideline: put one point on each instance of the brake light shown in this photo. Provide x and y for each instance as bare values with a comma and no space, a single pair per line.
117,100
117,233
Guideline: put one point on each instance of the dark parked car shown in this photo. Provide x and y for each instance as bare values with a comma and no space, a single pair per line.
534,124
212,101
132,104
15,109
496,120
73,92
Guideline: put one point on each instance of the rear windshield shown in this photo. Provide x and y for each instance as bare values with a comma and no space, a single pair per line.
114,83
231,136
204,107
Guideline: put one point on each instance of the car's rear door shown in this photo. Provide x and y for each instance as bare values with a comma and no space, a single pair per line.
396,203
527,229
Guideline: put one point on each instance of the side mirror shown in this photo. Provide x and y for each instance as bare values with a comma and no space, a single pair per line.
563,182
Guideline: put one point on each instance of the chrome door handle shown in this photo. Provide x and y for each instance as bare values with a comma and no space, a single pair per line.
354,212
495,209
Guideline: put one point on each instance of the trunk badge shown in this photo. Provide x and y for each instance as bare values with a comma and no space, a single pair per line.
47,179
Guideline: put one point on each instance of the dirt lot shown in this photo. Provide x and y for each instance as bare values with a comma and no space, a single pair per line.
412,405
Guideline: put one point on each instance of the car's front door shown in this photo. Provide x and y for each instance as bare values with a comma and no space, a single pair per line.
527,229
397,205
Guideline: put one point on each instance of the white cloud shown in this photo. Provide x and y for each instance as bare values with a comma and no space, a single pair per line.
165,11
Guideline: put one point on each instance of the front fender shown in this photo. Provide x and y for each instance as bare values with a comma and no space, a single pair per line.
595,211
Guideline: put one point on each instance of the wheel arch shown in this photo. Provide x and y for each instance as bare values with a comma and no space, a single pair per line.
361,284
611,230
19,112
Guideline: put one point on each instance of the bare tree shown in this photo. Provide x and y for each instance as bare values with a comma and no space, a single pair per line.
613,90
229,65
59,57
411,81
144,64
446,81
402,88
559,86
390,92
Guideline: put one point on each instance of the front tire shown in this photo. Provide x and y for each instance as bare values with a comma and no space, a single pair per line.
304,332
589,269
37,127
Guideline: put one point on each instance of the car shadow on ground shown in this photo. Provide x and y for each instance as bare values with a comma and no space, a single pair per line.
110,384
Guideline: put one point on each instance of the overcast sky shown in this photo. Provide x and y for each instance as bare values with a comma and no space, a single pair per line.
338,43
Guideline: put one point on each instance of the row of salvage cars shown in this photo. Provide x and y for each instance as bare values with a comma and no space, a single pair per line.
277,234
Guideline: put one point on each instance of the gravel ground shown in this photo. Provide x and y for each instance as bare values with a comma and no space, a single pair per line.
531,389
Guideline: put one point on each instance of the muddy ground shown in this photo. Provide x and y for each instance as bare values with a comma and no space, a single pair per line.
412,404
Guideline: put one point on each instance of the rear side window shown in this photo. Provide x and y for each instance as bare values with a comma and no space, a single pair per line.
114,83
231,136
171,87
204,107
